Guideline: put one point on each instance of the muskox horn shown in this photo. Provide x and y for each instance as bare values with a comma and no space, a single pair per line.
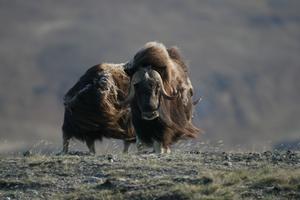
137,76
197,101
157,76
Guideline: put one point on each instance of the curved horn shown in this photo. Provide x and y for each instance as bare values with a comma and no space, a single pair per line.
197,101
135,79
164,92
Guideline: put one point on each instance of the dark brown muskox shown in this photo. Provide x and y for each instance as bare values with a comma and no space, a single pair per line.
92,110
160,97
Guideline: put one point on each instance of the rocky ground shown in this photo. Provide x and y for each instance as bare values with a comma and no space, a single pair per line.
181,175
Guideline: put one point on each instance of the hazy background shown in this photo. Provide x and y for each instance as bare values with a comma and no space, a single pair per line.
244,59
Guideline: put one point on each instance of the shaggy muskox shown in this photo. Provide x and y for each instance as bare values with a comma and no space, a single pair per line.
160,97
92,110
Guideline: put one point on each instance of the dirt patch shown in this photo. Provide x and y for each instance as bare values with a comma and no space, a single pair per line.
182,175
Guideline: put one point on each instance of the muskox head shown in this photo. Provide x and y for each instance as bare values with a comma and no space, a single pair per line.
93,87
147,89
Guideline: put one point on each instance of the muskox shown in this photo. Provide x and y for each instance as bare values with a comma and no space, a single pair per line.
160,97
92,110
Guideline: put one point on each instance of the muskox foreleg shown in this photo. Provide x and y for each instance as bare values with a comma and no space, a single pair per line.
167,150
66,141
158,148
126,146
91,145
139,144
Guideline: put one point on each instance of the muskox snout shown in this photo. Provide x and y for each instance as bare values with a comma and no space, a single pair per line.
150,115
103,82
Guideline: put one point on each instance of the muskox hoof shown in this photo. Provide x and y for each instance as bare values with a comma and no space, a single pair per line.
126,147
61,153
167,150
160,149
91,154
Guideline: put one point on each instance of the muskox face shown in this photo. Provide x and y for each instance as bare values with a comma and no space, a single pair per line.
101,86
147,89
148,94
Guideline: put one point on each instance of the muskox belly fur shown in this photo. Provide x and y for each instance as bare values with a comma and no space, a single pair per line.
92,111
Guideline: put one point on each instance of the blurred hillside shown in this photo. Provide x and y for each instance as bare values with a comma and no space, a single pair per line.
244,59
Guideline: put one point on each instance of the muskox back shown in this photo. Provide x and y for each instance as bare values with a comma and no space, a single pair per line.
91,107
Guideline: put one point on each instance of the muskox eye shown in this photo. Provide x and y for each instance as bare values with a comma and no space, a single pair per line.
156,89
151,85
136,86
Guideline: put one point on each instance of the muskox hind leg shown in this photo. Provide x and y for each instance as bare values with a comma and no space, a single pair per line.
91,145
126,146
66,142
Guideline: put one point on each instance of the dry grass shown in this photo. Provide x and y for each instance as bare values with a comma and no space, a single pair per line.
178,176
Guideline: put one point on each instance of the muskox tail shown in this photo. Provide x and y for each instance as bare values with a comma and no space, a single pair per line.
191,131
182,130
188,131
177,120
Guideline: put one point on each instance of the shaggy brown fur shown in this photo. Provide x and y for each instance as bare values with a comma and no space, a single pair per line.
91,109
175,119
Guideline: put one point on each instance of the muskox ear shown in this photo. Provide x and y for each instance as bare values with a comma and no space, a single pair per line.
130,71
129,68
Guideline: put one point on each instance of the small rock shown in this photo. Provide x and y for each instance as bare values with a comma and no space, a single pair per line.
273,189
229,164
111,158
93,179
33,192
267,154
225,156
107,184
27,153
246,194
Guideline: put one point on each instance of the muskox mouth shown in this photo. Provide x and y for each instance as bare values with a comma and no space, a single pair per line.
150,115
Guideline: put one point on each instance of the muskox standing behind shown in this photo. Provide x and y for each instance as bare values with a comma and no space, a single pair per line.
92,110
160,97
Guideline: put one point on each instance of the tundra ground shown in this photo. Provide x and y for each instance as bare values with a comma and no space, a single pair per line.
181,175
